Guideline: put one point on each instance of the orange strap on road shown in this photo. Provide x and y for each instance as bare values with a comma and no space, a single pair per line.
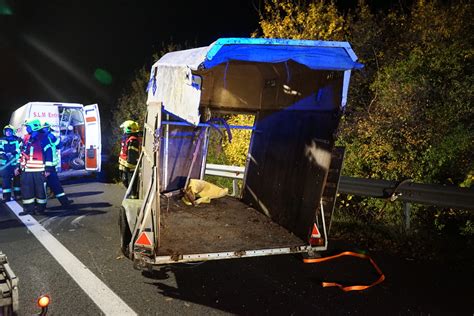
353,287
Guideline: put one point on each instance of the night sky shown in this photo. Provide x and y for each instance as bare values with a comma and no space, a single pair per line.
50,50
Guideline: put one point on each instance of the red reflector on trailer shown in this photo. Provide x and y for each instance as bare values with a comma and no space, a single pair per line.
315,233
315,237
316,242
143,240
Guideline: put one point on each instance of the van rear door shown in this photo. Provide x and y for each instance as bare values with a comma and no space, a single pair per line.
93,138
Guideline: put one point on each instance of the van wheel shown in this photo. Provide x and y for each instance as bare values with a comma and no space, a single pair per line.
125,233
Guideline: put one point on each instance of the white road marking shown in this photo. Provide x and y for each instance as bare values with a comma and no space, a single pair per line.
109,302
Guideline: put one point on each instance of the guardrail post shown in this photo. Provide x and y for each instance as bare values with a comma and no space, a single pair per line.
407,213
235,188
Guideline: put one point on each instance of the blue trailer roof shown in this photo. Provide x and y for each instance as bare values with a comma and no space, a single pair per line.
317,55
324,55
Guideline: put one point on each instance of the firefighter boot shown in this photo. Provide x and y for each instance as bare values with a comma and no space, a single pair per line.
7,196
40,208
28,209
17,193
65,202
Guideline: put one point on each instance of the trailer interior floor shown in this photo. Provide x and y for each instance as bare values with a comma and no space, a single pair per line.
226,224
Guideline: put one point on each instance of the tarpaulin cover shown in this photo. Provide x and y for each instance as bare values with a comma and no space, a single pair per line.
172,82
324,55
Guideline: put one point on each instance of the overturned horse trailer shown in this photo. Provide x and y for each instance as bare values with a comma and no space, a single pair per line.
297,91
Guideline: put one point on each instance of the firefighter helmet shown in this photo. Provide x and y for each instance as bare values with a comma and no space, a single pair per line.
47,125
8,127
34,124
130,127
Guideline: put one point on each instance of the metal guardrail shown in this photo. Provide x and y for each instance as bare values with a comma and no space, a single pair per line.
410,192
234,172
405,191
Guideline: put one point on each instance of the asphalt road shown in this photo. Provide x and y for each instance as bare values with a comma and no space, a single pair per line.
277,285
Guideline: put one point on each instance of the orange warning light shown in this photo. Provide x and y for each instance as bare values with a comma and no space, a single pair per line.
43,301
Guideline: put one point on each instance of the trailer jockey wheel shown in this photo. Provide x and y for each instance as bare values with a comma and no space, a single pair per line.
125,234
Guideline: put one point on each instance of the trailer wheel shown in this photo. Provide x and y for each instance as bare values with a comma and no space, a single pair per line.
125,233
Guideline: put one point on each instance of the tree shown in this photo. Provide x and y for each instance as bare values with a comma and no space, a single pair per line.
132,103
410,112
419,123
301,20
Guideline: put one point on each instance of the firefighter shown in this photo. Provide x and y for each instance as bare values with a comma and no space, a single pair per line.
35,164
52,179
10,145
129,151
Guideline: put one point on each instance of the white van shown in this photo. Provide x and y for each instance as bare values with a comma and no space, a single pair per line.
78,127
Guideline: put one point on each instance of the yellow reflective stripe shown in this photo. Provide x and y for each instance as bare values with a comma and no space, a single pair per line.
55,155
35,165
16,189
47,147
42,201
29,201
126,164
35,162
34,169
49,164
60,194
7,190
133,148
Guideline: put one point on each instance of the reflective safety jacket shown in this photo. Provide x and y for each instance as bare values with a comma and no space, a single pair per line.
54,144
36,156
10,150
130,151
